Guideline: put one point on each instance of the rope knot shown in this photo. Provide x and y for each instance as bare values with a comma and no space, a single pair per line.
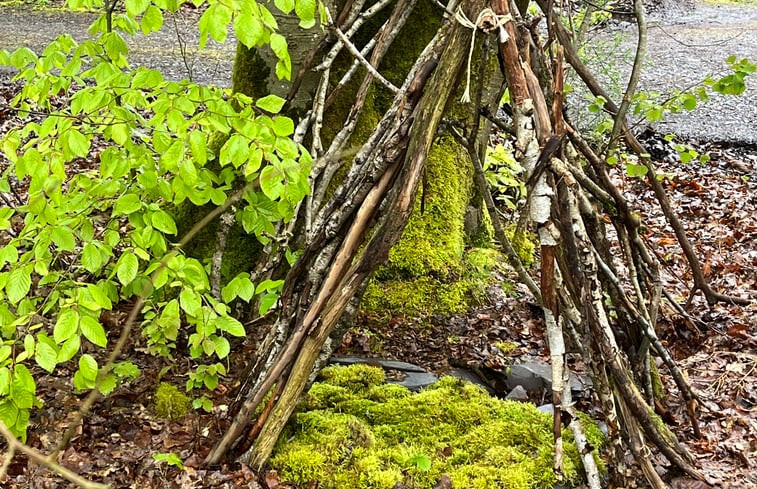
488,22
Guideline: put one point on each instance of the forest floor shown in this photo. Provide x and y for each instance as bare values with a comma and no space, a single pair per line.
716,346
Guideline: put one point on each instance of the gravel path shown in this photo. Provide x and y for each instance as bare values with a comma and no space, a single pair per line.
22,26
684,46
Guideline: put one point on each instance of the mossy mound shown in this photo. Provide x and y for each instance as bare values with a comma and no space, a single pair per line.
354,431
171,403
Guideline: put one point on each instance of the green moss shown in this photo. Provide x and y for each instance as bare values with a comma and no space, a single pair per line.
171,403
430,295
372,436
524,244
657,387
241,252
434,239
355,379
250,73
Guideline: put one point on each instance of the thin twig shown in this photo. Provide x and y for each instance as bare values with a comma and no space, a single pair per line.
71,476
356,53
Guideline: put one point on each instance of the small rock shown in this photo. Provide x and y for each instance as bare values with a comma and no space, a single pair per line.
547,408
416,381
464,374
538,376
517,394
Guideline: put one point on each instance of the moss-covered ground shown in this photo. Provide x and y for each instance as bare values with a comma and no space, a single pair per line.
355,431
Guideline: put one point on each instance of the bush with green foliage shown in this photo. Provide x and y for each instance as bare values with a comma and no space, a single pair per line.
85,238
353,430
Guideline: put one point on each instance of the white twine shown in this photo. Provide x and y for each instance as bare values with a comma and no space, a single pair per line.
487,21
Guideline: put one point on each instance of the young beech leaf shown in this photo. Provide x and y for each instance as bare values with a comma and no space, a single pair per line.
162,221
285,6
271,103
93,331
127,267
190,302
69,349
152,21
19,283
63,238
230,325
88,366
305,10
91,259
46,356
66,325
222,346
136,7
127,204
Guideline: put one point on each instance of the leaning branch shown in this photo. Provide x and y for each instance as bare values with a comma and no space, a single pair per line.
14,445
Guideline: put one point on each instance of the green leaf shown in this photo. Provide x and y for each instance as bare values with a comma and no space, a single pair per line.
230,325
126,370
66,325
76,142
107,384
69,349
249,30
99,296
222,346
271,182
88,367
689,101
198,147
236,150
19,283
271,103
146,78
422,462
214,22
152,21
5,381
93,331
267,302
127,268
127,204
305,10
283,126
91,259
81,382
8,254
636,171
63,238
162,221
46,356
5,217
655,114
5,352
136,7
285,6
190,302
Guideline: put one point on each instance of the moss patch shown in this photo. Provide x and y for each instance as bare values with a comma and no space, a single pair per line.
171,403
429,294
355,431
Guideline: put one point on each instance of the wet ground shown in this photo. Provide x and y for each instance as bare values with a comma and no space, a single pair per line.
684,46
174,50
